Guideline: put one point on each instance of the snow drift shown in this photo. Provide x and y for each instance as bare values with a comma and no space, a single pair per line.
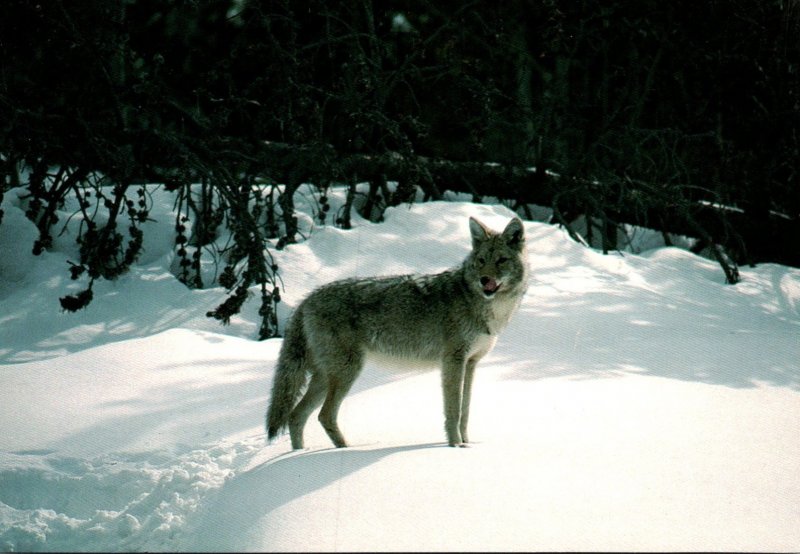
634,403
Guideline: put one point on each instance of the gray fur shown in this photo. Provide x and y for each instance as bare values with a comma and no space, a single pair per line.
451,318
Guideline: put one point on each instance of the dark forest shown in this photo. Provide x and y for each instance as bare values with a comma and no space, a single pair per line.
683,117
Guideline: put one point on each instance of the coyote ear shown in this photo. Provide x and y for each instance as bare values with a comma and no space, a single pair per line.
514,233
478,230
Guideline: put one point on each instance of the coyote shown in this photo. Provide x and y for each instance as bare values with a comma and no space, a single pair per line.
451,318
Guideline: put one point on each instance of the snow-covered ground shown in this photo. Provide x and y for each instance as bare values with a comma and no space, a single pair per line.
634,403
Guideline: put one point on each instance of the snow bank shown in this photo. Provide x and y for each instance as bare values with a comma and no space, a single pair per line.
634,403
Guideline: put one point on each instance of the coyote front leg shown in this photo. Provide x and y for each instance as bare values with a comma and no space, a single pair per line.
452,388
466,396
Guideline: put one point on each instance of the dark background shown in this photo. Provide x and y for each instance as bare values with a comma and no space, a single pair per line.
681,116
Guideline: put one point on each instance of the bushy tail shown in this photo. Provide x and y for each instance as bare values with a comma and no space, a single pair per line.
290,377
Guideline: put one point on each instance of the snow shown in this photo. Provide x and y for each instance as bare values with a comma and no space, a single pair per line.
635,402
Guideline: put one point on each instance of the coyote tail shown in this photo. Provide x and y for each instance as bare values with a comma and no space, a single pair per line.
290,377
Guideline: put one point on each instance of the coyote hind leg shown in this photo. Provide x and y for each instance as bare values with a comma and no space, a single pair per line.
310,401
341,377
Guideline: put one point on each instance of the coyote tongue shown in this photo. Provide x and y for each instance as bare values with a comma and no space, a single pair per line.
490,286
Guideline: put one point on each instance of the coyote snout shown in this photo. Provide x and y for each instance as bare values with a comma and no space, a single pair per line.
452,318
490,286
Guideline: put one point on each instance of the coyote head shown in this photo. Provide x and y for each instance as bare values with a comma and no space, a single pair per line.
498,263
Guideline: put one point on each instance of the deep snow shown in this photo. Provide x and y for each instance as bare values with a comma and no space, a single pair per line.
634,403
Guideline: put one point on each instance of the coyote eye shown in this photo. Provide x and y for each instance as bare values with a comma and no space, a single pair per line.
501,260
